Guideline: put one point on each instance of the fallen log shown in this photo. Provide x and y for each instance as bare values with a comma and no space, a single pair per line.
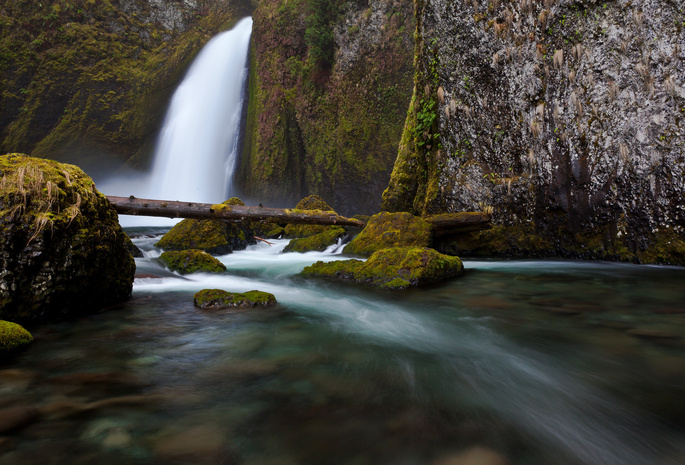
203,211
456,223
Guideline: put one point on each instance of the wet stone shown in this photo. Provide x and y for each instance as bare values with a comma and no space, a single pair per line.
13,418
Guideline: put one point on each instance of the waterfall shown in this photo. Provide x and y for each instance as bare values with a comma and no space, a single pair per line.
197,148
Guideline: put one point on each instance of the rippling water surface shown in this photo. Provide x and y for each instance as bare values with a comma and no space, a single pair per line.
519,362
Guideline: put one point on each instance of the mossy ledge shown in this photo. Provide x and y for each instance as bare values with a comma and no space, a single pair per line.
216,299
391,268
13,337
192,261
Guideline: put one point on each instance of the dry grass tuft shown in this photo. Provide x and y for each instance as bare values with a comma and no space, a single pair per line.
441,95
558,59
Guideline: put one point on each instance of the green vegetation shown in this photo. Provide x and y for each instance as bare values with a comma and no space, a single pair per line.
215,299
62,241
311,202
13,337
392,268
318,242
191,261
391,230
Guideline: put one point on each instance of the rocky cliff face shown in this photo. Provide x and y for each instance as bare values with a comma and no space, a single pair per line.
565,117
82,79
329,87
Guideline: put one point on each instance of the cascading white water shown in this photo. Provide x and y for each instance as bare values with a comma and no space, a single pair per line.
197,148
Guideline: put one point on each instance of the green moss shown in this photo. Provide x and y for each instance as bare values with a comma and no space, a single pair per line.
275,232
391,230
13,337
191,261
207,235
391,268
62,241
211,299
311,202
318,242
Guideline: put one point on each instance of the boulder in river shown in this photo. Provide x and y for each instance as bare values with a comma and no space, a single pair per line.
311,202
62,250
213,236
215,299
392,268
318,242
191,261
391,230
13,337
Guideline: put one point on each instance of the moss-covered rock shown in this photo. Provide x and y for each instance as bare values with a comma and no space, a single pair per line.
13,337
391,230
62,250
318,242
213,236
392,268
191,261
311,202
214,299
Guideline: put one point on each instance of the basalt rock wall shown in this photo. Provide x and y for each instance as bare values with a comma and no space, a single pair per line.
330,84
565,118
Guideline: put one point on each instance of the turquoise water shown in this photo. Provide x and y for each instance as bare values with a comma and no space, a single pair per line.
520,362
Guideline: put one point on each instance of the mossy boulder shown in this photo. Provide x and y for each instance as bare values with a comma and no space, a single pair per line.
392,268
318,242
62,250
311,202
215,299
213,236
391,230
13,337
191,261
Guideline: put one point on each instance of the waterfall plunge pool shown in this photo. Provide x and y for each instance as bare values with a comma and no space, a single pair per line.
519,362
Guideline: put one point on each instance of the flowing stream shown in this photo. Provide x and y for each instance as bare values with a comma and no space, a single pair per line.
520,362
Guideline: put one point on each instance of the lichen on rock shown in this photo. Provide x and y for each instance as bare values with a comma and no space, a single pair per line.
392,268
13,337
215,299
191,261
391,230
62,250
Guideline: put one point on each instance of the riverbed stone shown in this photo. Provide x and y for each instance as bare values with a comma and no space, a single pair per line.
13,418
391,230
391,268
215,299
62,250
191,261
215,237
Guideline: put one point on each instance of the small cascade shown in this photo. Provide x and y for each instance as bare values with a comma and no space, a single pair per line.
197,148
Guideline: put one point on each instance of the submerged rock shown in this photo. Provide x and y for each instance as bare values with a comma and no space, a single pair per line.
13,337
391,230
318,242
215,299
392,268
213,236
192,261
62,250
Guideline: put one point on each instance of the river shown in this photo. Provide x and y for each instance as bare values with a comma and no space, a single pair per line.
519,362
